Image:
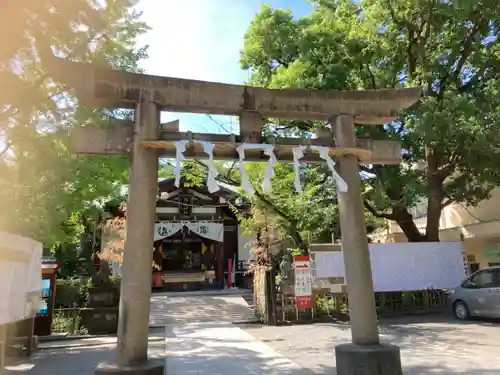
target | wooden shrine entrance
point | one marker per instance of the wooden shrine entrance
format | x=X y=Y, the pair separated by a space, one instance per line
x=183 y=253
x=188 y=261
x=146 y=140
x=195 y=235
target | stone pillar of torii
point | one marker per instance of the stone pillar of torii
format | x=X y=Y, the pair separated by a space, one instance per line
x=144 y=141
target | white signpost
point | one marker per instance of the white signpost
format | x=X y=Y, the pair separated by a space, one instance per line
x=303 y=282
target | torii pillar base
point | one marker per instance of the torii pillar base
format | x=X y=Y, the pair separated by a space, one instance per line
x=352 y=359
x=149 y=367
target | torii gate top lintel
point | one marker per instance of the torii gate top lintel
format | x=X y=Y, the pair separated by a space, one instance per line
x=106 y=88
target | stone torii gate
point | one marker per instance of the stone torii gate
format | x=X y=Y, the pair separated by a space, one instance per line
x=145 y=141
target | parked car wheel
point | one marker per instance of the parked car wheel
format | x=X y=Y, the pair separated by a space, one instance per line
x=460 y=310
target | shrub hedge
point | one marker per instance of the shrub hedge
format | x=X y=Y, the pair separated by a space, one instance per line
x=69 y=291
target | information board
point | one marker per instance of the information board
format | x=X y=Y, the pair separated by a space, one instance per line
x=303 y=282
x=404 y=266
x=44 y=301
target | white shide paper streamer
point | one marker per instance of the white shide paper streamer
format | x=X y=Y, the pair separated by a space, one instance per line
x=180 y=147
x=269 y=173
x=324 y=154
x=208 y=148
x=266 y=184
x=298 y=153
x=212 y=184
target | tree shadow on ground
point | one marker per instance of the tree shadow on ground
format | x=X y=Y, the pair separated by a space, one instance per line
x=443 y=370
x=436 y=330
x=194 y=355
x=190 y=352
x=430 y=340
x=78 y=360
x=414 y=330
x=438 y=318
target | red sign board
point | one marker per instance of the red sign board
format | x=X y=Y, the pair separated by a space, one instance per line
x=304 y=302
x=303 y=282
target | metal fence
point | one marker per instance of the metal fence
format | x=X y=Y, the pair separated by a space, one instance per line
x=273 y=307
x=336 y=305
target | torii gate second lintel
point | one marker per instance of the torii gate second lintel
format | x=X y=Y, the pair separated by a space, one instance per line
x=117 y=139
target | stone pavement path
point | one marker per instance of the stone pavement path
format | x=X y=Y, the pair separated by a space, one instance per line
x=77 y=357
x=429 y=344
x=222 y=349
x=191 y=348
x=200 y=338
x=188 y=307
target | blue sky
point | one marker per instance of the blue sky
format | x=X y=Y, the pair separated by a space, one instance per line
x=201 y=39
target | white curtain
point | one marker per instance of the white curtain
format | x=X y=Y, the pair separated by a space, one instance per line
x=206 y=229
x=166 y=229
x=212 y=231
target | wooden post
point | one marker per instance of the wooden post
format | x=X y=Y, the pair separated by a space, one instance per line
x=251 y=126
x=219 y=264
x=4 y=342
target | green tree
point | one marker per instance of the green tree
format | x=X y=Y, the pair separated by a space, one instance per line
x=449 y=48
x=303 y=217
x=47 y=192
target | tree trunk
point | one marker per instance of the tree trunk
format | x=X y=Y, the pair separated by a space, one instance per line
x=434 y=202
x=407 y=225
x=434 y=197
x=299 y=242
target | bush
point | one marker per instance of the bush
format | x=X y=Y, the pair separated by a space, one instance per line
x=116 y=281
x=69 y=291
x=331 y=305
x=68 y=322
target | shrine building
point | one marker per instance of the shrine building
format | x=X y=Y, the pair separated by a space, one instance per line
x=198 y=237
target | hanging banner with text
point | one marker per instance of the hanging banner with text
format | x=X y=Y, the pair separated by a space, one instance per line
x=166 y=229
x=303 y=282
x=211 y=230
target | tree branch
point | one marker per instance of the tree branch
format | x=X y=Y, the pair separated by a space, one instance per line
x=372 y=77
x=375 y=213
x=448 y=168
x=261 y=197
x=447 y=202
x=466 y=50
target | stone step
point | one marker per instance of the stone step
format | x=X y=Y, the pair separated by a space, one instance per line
x=225 y=309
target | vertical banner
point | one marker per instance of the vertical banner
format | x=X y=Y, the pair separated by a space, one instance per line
x=229 y=272
x=303 y=282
